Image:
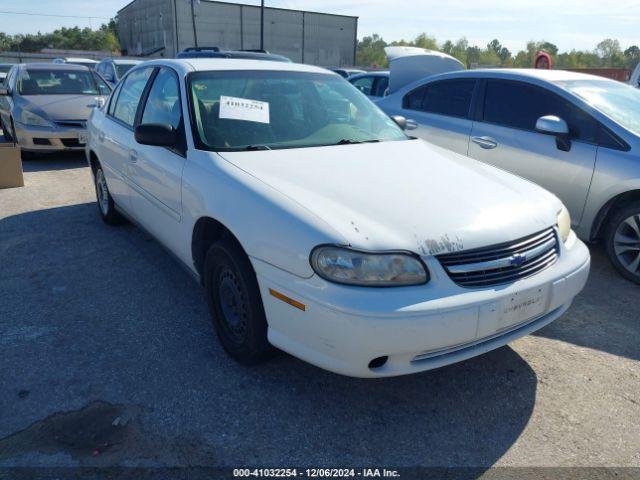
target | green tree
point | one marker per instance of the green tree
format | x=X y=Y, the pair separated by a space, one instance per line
x=370 y=51
x=632 y=56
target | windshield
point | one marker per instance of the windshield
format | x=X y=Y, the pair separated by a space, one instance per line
x=57 y=82
x=122 y=68
x=619 y=101
x=241 y=110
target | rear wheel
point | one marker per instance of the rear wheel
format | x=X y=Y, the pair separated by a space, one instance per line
x=623 y=241
x=106 y=206
x=235 y=303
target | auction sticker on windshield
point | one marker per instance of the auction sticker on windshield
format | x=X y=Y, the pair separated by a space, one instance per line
x=235 y=108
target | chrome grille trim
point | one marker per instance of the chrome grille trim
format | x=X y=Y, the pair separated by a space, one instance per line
x=504 y=263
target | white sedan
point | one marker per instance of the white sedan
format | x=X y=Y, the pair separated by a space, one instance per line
x=317 y=226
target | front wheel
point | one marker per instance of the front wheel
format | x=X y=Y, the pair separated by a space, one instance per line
x=235 y=303
x=106 y=206
x=623 y=241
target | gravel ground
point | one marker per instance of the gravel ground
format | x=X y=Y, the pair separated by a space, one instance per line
x=109 y=358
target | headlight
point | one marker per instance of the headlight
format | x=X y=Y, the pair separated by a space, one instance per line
x=370 y=269
x=564 y=224
x=30 y=118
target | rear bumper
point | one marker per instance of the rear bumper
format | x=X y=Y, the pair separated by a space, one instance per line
x=417 y=328
x=47 y=139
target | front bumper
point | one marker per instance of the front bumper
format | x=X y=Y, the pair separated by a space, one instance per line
x=47 y=139
x=343 y=328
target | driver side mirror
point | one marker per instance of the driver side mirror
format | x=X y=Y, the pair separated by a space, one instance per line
x=404 y=123
x=553 y=125
x=156 y=134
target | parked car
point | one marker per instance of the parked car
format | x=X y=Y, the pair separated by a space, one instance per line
x=317 y=226
x=373 y=84
x=4 y=69
x=634 y=80
x=45 y=106
x=86 y=62
x=113 y=69
x=215 y=52
x=347 y=72
x=574 y=134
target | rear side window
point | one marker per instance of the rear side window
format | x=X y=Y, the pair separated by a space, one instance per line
x=448 y=97
x=519 y=105
x=380 y=86
x=127 y=101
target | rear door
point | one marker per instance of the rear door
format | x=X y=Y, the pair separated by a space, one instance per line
x=156 y=172
x=504 y=135
x=442 y=110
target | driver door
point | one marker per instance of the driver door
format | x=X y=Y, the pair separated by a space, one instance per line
x=505 y=136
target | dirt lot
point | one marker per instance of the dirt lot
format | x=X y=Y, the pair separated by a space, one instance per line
x=109 y=358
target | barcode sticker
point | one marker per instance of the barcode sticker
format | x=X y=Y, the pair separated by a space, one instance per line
x=244 y=109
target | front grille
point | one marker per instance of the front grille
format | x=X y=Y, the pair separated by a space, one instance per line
x=71 y=142
x=72 y=123
x=503 y=263
x=41 y=141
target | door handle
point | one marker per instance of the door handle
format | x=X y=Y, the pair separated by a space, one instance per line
x=485 y=142
x=101 y=137
x=133 y=156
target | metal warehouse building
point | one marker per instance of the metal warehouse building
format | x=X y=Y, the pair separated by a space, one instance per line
x=165 y=27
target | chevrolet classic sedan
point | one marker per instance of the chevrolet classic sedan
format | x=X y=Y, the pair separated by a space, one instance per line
x=317 y=226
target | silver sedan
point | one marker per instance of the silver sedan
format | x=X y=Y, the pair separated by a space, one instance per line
x=576 y=135
x=45 y=107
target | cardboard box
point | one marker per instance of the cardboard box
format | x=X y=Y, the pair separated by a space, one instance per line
x=10 y=166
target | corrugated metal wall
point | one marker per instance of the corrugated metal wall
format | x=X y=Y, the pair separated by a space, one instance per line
x=314 y=38
x=147 y=25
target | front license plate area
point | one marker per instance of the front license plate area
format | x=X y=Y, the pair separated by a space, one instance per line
x=522 y=306
x=82 y=138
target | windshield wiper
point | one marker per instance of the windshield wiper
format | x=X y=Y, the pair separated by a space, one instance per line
x=348 y=141
x=257 y=147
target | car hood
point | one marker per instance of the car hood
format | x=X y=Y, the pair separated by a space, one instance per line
x=62 y=107
x=407 y=195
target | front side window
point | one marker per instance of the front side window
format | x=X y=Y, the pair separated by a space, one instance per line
x=163 y=102
x=127 y=102
x=447 y=97
x=240 y=110
x=364 y=84
x=520 y=105
x=57 y=82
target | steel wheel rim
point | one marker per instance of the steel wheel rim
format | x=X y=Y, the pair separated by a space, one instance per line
x=626 y=244
x=233 y=305
x=103 y=193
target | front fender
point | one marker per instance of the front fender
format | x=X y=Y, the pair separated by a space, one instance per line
x=269 y=225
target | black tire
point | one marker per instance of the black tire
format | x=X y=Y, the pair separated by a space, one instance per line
x=106 y=205
x=622 y=241
x=235 y=303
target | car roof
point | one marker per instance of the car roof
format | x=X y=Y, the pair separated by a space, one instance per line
x=369 y=74
x=80 y=59
x=187 y=65
x=53 y=66
x=122 y=61
x=551 y=76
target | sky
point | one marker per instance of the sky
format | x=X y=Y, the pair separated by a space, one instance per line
x=569 y=24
